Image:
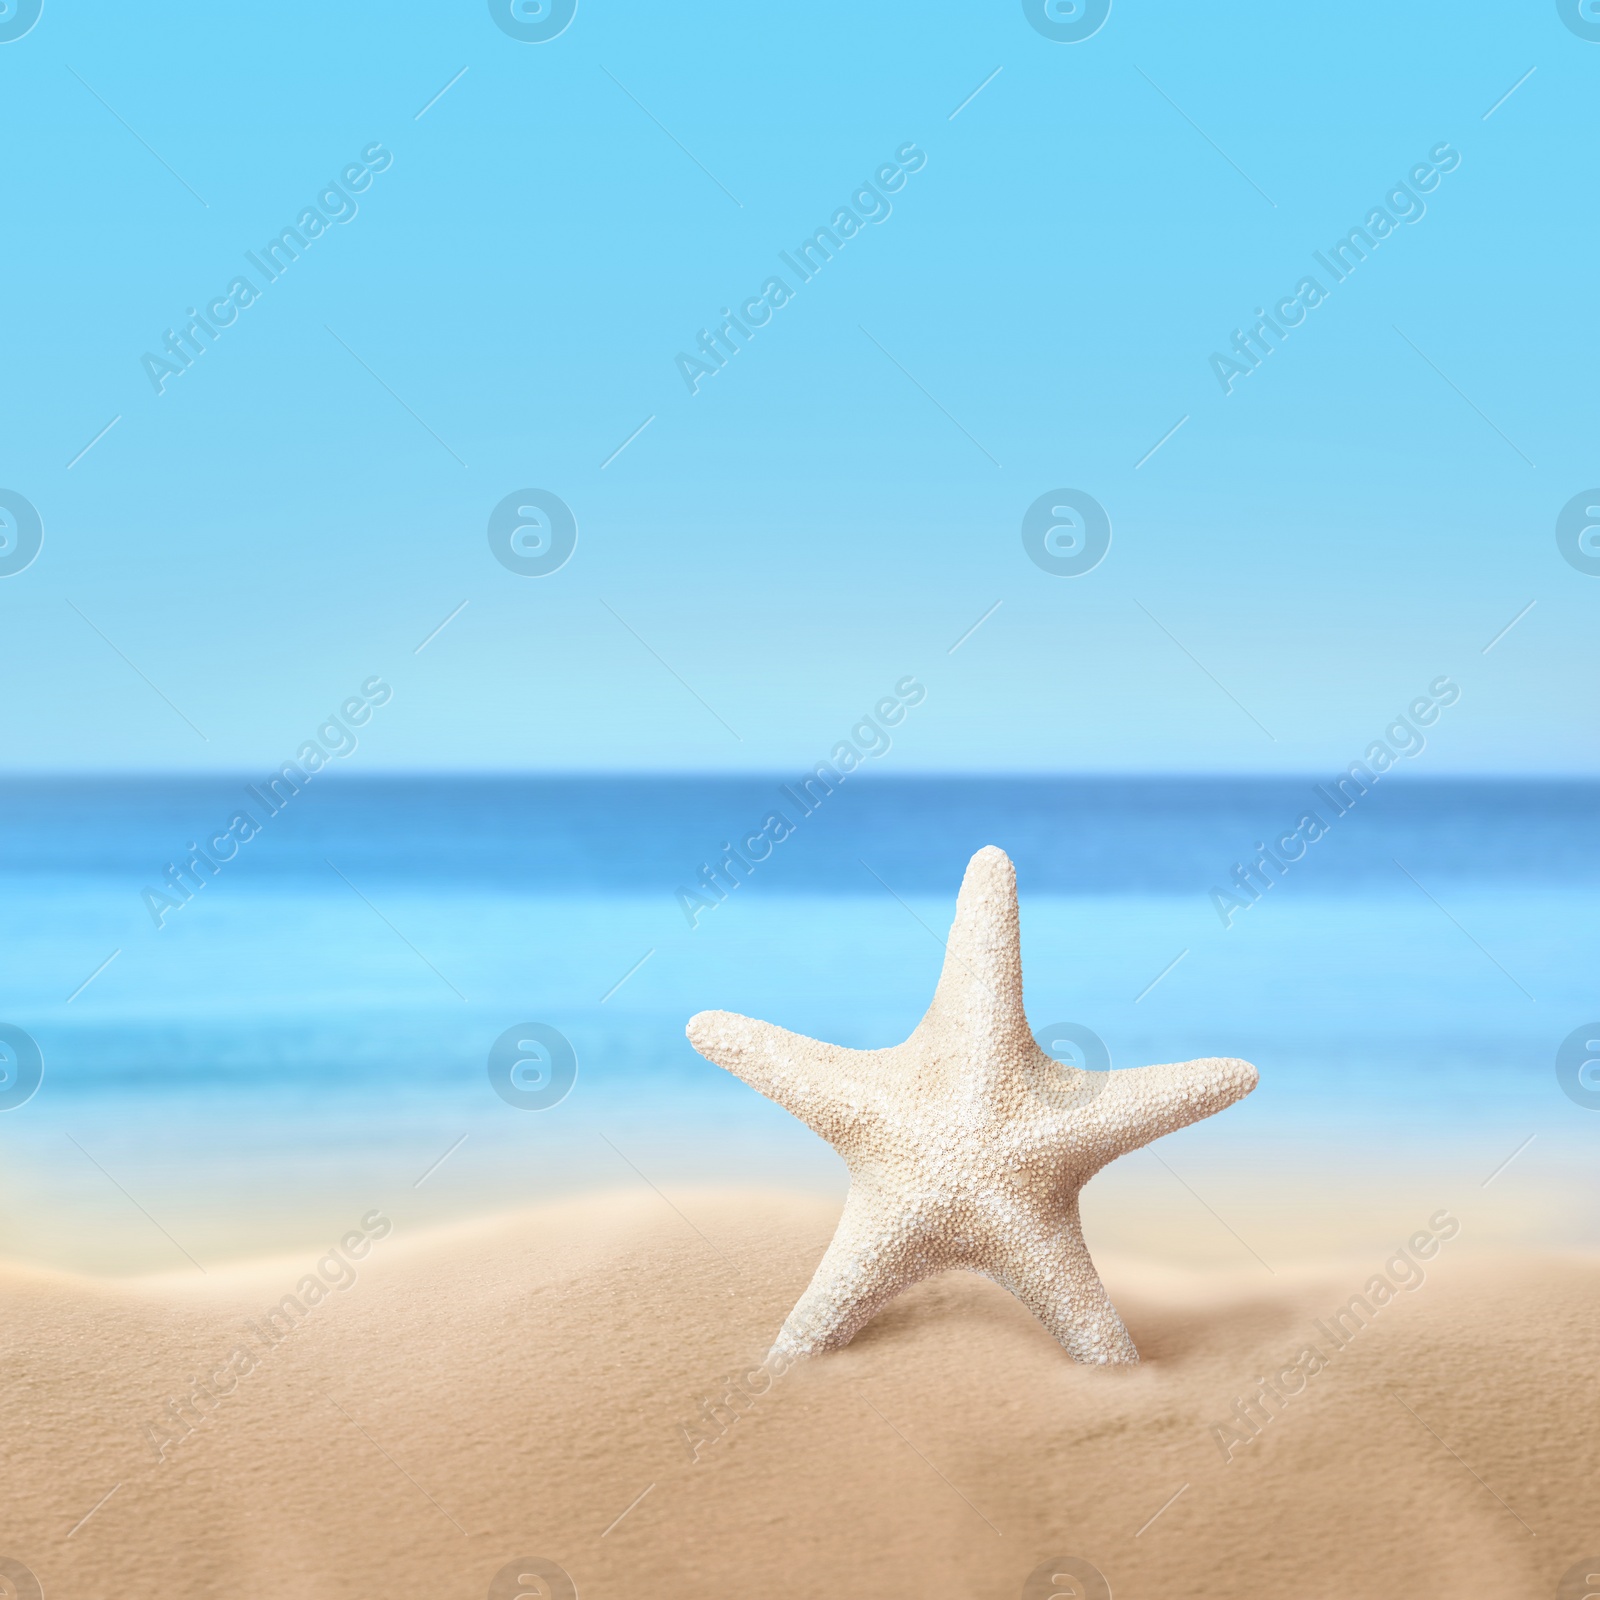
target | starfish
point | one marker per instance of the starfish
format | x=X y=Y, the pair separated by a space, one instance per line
x=967 y=1145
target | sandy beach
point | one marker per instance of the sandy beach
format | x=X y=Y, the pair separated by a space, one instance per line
x=582 y=1385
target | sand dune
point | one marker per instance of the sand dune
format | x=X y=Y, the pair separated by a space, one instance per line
x=581 y=1385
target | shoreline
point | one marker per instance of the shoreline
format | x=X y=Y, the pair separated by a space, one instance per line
x=1198 y=1199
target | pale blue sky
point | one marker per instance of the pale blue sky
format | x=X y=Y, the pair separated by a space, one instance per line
x=840 y=504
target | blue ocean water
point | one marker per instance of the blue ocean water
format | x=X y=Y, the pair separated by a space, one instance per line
x=312 y=1027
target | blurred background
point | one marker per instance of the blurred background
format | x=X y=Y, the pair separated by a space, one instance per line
x=373 y=407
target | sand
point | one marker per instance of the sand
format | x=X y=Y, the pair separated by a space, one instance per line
x=554 y=1385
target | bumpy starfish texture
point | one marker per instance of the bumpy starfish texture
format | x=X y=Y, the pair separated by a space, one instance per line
x=967 y=1145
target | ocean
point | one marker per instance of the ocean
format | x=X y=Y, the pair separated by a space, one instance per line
x=305 y=1029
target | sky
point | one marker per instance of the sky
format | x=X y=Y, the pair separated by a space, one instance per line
x=521 y=242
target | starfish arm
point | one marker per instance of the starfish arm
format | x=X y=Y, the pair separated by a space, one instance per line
x=980 y=985
x=813 y=1081
x=1046 y=1266
x=1139 y=1104
x=872 y=1258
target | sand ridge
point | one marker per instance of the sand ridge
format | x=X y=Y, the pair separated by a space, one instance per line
x=583 y=1384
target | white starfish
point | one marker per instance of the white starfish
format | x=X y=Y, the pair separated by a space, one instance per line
x=967 y=1145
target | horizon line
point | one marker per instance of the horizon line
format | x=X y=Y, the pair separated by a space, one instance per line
x=755 y=774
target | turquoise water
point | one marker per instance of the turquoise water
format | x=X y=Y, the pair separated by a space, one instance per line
x=312 y=1027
